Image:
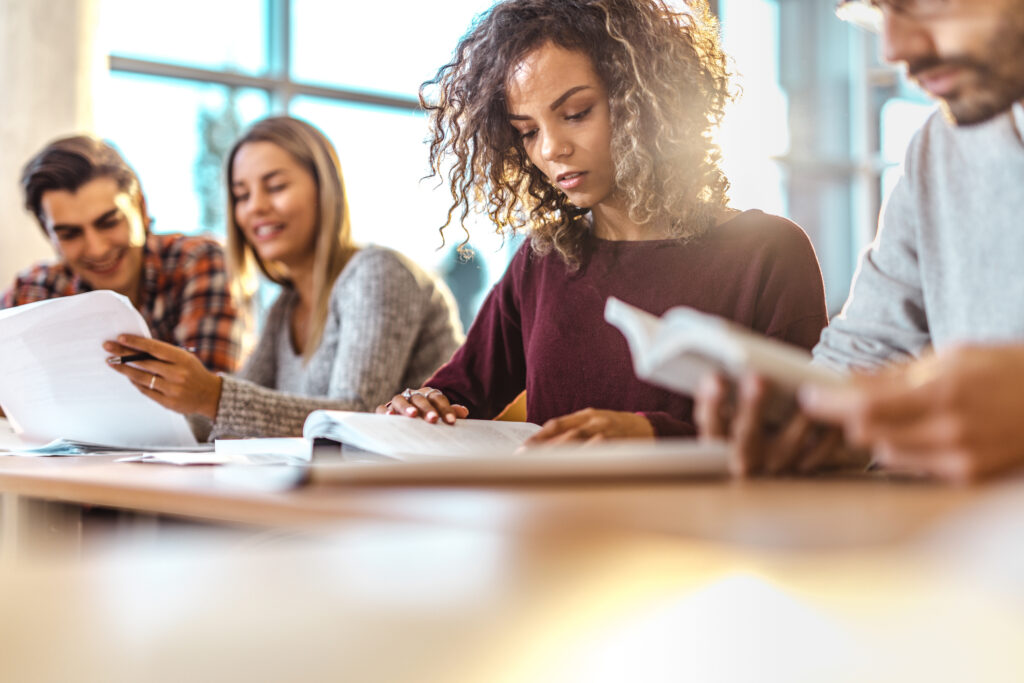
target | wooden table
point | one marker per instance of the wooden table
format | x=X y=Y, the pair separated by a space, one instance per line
x=825 y=512
x=497 y=596
x=774 y=580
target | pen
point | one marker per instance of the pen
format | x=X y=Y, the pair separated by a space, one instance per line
x=131 y=358
x=142 y=355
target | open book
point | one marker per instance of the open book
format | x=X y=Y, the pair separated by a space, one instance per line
x=678 y=349
x=402 y=438
x=55 y=382
x=391 y=448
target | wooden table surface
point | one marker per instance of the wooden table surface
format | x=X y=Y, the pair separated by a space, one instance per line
x=832 y=579
x=801 y=512
x=499 y=597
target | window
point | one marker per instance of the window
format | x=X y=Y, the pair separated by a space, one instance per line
x=181 y=90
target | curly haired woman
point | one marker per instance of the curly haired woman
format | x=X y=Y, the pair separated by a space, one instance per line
x=589 y=123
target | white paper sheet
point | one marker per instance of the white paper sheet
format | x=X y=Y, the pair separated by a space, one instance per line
x=8 y=439
x=55 y=382
x=269 y=451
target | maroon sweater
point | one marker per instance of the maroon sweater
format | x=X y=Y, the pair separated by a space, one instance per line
x=542 y=327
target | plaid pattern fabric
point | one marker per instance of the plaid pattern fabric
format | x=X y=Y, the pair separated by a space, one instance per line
x=185 y=296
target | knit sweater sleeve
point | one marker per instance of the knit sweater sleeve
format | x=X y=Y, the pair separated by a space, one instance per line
x=884 y=319
x=376 y=306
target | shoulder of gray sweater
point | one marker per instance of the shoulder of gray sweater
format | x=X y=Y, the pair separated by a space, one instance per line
x=373 y=263
x=404 y=281
x=939 y=143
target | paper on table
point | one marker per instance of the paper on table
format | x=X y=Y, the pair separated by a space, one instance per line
x=56 y=382
x=401 y=437
x=8 y=439
x=273 y=451
x=293 y=447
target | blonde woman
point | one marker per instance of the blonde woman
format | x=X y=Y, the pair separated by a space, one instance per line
x=589 y=123
x=352 y=324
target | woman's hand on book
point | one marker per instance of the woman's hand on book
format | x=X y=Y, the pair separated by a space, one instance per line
x=174 y=378
x=426 y=403
x=591 y=424
x=797 y=445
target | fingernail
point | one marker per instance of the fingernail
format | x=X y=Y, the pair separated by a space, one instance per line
x=411 y=410
x=432 y=416
x=449 y=418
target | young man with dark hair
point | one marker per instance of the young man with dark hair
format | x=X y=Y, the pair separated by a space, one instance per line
x=90 y=205
x=942 y=275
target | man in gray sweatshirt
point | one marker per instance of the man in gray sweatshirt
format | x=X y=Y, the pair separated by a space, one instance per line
x=934 y=326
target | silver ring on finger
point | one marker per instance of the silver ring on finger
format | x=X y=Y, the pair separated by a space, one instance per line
x=432 y=392
x=152 y=381
x=407 y=394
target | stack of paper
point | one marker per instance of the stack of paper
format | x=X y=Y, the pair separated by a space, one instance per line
x=55 y=382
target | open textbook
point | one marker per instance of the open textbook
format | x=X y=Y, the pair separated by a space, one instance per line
x=402 y=438
x=55 y=382
x=678 y=349
x=389 y=448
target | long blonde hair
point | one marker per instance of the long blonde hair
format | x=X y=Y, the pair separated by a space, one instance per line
x=334 y=245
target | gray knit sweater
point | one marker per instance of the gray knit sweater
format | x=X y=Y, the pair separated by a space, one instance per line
x=945 y=267
x=389 y=326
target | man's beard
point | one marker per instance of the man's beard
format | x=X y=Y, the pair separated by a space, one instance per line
x=998 y=75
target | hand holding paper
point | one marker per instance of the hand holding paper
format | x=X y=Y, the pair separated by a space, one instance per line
x=57 y=383
x=173 y=377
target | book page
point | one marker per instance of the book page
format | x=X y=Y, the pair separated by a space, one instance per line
x=55 y=382
x=679 y=349
x=402 y=437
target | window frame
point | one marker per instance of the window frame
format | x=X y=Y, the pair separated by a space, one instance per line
x=277 y=82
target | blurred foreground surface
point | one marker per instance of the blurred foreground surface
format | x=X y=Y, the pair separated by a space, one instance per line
x=708 y=581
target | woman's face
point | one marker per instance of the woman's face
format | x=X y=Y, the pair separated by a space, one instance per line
x=559 y=106
x=275 y=202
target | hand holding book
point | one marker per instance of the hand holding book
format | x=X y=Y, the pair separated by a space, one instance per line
x=744 y=385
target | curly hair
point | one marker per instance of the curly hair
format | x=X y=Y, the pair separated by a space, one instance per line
x=668 y=85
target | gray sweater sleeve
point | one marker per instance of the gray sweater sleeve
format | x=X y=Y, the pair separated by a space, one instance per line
x=883 y=320
x=378 y=307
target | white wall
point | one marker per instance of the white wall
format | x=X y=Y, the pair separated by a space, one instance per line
x=48 y=63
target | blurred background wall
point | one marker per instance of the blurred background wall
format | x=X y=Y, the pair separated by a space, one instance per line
x=49 y=63
x=817 y=136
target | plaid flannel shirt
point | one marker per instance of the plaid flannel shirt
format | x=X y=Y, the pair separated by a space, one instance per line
x=185 y=296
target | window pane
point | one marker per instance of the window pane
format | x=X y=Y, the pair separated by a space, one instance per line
x=755 y=130
x=175 y=134
x=362 y=46
x=384 y=157
x=199 y=33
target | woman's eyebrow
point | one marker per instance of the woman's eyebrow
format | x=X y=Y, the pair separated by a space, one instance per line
x=557 y=103
x=566 y=95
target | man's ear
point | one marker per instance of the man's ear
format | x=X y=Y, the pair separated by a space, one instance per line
x=147 y=220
